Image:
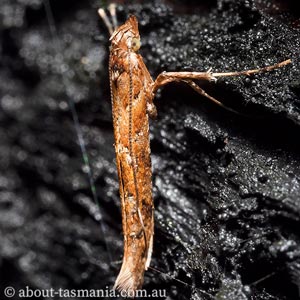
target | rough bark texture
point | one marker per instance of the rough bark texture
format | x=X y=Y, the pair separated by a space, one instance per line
x=226 y=187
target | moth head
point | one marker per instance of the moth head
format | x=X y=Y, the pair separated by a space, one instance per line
x=127 y=35
x=133 y=36
x=135 y=44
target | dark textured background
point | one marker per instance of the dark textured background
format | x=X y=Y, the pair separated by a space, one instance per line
x=226 y=187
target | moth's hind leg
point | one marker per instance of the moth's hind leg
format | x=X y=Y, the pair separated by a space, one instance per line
x=186 y=77
x=168 y=77
x=200 y=91
x=165 y=78
x=111 y=25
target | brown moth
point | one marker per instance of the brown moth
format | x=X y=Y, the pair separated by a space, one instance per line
x=132 y=94
x=131 y=104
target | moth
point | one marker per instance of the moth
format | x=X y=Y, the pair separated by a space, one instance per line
x=132 y=94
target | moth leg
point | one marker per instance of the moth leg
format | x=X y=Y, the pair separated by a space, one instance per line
x=111 y=26
x=151 y=109
x=200 y=91
x=254 y=71
x=150 y=106
x=143 y=227
x=168 y=77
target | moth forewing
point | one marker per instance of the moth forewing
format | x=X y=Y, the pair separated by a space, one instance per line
x=130 y=80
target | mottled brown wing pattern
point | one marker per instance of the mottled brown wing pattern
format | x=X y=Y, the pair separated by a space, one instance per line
x=132 y=146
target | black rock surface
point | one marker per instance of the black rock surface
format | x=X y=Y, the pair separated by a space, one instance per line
x=226 y=186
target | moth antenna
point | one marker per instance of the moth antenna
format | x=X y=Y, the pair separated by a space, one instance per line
x=112 y=10
x=106 y=21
